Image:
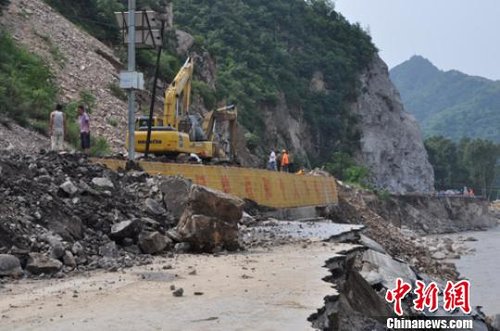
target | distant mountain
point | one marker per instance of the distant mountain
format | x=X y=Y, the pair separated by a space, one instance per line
x=449 y=103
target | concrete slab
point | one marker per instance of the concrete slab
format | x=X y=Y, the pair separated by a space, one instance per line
x=292 y=231
x=387 y=268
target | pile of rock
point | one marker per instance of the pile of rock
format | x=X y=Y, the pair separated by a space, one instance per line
x=60 y=212
x=443 y=247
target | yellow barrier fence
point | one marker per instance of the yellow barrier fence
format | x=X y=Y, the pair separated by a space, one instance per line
x=268 y=188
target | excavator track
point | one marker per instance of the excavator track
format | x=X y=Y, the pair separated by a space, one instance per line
x=267 y=188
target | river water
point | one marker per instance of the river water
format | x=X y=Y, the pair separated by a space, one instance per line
x=482 y=268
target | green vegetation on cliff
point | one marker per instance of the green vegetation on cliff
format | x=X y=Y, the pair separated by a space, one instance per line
x=450 y=104
x=27 y=91
x=265 y=48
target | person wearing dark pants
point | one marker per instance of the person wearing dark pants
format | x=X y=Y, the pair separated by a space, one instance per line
x=284 y=161
x=84 y=122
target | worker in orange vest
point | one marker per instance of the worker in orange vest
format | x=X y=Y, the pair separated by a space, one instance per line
x=284 y=161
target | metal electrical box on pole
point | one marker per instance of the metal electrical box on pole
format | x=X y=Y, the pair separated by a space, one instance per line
x=131 y=68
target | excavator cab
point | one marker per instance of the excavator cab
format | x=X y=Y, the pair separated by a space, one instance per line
x=141 y=123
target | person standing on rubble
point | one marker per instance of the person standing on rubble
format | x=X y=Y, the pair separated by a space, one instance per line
x=284 y=161
x=57 y=129
x=84 y=123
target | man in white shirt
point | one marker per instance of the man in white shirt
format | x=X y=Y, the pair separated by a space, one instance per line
x=272 y=161
x=57 y=129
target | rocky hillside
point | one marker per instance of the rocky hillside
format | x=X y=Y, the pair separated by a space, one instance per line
x=81 y=64
x=15 y=137
x=449 y=103
x=391 y=143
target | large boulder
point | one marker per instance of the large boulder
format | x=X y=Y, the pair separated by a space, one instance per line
x=109 y=250
x=56 y=245
x=210 y=221
x=102 y=182
x=153 y=207
x=41 y=264
x=209 y=202
x=175 y=191
x=125 y=229
x=69 y=260
x=68 y=188
x=57 y=251
x=184 y=41
x=153 y=242
x=69 y=228
x=10 y=266
x=208 y=234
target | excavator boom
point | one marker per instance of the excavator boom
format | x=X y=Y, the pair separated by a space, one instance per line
x=178 y=95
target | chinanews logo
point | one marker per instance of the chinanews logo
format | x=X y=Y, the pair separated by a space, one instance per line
x=455 y=295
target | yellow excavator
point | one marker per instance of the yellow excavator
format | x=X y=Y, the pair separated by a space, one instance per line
x=178 y=131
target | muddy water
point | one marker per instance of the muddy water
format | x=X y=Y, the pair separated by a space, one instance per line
x=482 y=268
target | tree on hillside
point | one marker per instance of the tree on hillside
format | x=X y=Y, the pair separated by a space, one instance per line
x=443 y=156
x=470 y=163
x=480 y=157
x=267 y=50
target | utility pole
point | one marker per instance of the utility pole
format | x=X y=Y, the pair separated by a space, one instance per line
x=131 y=68
x=163 y=18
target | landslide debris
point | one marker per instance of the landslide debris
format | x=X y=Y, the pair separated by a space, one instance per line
x=13 y=137
x=354 y=208
x=59 y=212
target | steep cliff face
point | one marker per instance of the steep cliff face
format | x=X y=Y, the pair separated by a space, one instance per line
x=286 y=128
x=391 y=144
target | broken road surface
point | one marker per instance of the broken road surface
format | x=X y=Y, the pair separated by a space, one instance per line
x=256 y=290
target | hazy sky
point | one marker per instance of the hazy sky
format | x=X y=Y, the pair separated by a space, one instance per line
x=453 y=34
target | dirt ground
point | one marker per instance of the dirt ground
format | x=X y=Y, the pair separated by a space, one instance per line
x=261 y=289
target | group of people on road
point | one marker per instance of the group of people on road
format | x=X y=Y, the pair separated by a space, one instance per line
x=58 y=129
x=279 y=162
x=465 y=192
